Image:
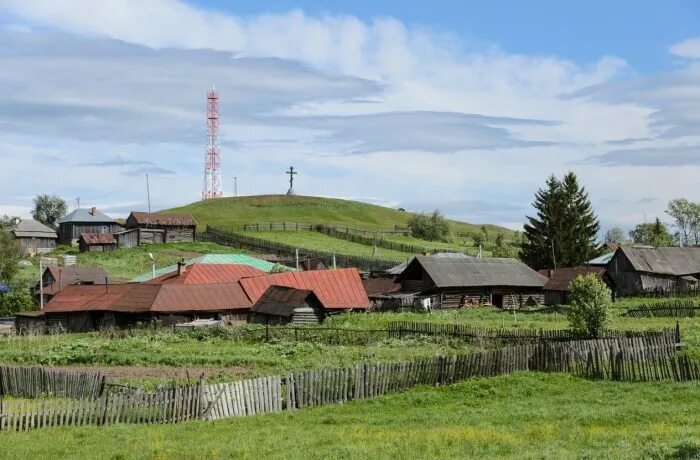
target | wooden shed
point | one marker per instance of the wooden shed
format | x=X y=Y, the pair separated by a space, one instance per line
x=504 y=283
x=636 y=270
x=284 y=305
x=97 y=242
x=34 y=237
x=82 y=221
x=56 y=278
x=556 y=291
x=162 y=228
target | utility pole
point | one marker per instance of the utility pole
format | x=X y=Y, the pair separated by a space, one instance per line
x=148 y=193
x=41 y=283
x=235 y=186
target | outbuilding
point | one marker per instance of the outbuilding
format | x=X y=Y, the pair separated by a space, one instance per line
x=97 y=242
x=557 y=289
x=153 y=227
x=80 y=221
x=34 y=237
x=284 y=305
x=504 y=283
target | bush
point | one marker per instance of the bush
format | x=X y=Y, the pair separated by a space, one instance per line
x=590 y=305
x=431 y=227
x=18 y=299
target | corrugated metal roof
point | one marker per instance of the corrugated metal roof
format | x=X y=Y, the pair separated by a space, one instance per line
x=336 y=289
x=667 y=261
x=140 y=298
x=282 y=301
x=29 y=228
x=65 y=276
x=85 y=215
x=200 y=273
x=477 y=272
x=98 y=238
x=601 y=260
x=163 y=220
x=561 y=278
x=240 y=259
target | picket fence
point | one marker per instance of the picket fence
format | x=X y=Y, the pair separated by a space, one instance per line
x=680 y=308
x=625 y=366
x=300 y=390
x=35 y=381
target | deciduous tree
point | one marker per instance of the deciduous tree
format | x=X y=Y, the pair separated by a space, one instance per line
x=48 y=209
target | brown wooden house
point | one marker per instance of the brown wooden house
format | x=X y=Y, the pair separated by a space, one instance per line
x=556 y=291
x=505 y=283
x=159 y=228
x=56 y=278
x=34 y=237
x=97 y=242
x=284 y=305
x=80 y=221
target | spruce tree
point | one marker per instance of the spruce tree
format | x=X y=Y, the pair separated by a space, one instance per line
x=564 y=231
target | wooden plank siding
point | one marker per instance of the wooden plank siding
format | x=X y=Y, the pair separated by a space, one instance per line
x=71 y=231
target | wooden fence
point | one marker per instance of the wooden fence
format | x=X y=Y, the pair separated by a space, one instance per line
x=681 y=308
x=300 y=390
x=307 y=227
x=625 y=365
x=664 y=293
x=403 y=328
x=32 y=382
x=231 y=238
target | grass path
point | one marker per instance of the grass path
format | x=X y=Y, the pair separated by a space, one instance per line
x=525 y=415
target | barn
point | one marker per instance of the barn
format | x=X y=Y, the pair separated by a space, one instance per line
x=34 y=237
x=505 y=283
x=636 y=270
x=285 y=305
x=97 y=242
x=80 y=221
x=556 y=291
x=153 y=227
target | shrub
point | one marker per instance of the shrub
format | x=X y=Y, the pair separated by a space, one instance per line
x=590 y=305
x=431 y=227
x=18 y=299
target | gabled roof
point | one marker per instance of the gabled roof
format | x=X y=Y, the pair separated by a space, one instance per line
x=29 y=228
x=65 y=276
x=397 y=270
x=143 y=298
x=476 y=272
x=200 y=273
x=560 y=278
x=98 y=238
x=85 y=215
x=601 y=260
x=336 y=289
x=666 y=261
x=240 y=259
x=162 y=220
x=376 y=286
x=282 y=301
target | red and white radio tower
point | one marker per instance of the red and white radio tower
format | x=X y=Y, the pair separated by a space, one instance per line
x=212 y=158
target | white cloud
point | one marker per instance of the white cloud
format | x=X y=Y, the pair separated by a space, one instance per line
x=125 y=80
x=689 y=48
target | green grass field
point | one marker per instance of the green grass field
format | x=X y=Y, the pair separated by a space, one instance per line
x=321 y=242
x=314 y=210
x=524 y=415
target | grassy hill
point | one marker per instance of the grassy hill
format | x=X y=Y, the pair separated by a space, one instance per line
x=307 y=209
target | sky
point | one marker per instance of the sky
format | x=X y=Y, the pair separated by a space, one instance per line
x=466 y=107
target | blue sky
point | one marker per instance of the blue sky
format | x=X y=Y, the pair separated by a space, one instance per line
x=462 y=106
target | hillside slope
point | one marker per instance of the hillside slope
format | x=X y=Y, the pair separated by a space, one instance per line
x=312 y=210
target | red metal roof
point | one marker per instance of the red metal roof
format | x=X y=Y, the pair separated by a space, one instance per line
x=209 y=274
x=134 y=298
x=336 y=289
x=98 y=238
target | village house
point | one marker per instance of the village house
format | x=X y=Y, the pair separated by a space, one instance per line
x=147 y=228
x=56 y=278
x=97 y=242
x=80 y=221
x=635 y=270
x=34 y=237
x=456 y=282
x=285 y=305
x=557 y=288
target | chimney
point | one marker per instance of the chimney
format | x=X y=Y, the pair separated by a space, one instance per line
x=181 y=267
x=551 y=272
x=93 y=211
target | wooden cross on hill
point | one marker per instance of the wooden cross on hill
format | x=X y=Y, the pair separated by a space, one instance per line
x=291 y=173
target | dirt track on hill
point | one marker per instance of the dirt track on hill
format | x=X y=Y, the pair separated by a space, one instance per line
x=159 y=372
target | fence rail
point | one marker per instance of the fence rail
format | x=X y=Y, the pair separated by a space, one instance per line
x=299 y=390
x=231 y=238
x=682 y=308
x=35 y=381
x=310 y=227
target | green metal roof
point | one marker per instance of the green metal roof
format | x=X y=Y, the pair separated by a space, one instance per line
x=241 y=259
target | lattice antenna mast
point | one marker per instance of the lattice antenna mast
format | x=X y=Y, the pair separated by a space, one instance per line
x=212 y=158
